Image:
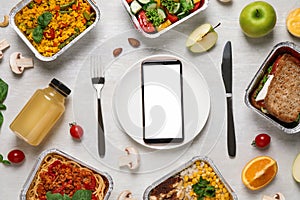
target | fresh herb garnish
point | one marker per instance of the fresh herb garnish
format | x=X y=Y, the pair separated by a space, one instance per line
x=37 y=34
x=203 y=189
x=2 y=160
x=78 y=195
x=3 y=95
x=43 y=21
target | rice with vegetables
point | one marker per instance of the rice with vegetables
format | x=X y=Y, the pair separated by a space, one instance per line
x=51 y=24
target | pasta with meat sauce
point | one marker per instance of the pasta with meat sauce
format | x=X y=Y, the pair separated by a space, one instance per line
x=58 y=174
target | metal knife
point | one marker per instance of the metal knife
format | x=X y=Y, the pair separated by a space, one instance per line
x=227 y=78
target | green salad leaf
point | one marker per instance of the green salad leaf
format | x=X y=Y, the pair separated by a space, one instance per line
x=170 y=5
x=186 y=5
x=3 y=90
x=153 y=16
x=3 y=95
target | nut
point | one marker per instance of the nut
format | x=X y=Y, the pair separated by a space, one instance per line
x=117 y=52
x=5 y=22
x=134 y=42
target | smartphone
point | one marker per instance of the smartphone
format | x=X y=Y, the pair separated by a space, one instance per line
x=162 y=101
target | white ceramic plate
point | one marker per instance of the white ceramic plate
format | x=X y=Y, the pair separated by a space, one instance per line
x=200 y=69
x=128 y=107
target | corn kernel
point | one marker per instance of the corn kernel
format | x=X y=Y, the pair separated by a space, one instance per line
x=194 y=181
x=186 y=178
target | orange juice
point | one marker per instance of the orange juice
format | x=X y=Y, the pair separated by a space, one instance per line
x=40 y=113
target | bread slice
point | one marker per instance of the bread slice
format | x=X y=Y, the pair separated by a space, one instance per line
x=283 y=96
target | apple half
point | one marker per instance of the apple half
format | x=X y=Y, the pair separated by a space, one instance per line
x=296 y=168
x=202 y=38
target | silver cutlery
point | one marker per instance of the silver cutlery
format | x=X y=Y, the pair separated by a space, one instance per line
x=97 y=74
x=227 y=77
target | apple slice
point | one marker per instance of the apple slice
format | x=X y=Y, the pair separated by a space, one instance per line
x=202 y=38
x=296 y=168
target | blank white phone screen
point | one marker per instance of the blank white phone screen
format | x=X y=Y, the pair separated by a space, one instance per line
x=162 y=101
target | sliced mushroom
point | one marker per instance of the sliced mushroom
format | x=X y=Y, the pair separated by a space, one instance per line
x=3 y=45
x=5 y=21
x=132 y=159
x=18 y=63
x=277 y=196
x=126 y=195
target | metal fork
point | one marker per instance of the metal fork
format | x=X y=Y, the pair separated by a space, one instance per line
x=97 y=74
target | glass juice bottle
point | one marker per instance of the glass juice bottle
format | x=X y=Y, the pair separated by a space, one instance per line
x=41 y=112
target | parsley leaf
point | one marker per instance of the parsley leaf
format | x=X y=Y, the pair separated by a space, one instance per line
x=203 y=189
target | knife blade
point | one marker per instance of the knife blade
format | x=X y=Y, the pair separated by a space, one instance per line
x=227 y=78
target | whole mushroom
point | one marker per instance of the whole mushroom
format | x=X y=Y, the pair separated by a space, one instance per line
x=131 y=159
x=18 y=63
x=126 y=195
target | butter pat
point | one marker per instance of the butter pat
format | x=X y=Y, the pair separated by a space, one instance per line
x=263 y=92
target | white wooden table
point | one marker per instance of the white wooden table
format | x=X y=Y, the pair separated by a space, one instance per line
x=248 y=54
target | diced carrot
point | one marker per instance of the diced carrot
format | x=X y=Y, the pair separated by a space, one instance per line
x=57 y=8
x=74 y=7
x=84 y=21
x=88 y=9
x=38 y=1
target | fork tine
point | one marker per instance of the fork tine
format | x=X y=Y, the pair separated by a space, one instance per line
x=97 y=69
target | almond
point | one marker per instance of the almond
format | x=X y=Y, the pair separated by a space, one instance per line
x=134 y=42
x=117 y=52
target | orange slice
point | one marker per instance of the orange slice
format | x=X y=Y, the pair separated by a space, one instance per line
x=293 y=22
x=259 y=172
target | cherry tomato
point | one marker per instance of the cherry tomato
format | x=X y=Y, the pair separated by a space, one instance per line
x=76 y=130
x=275 y=65
x=172 y=18
x=16 y=156
x=262 y=140
x=145 y=24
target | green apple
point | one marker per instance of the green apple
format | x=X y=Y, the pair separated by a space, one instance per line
x=257 y=19
x=202 y=38
x=296 y=168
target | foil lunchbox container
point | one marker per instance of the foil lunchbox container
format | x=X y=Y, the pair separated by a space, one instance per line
x=41 y=159
x=278 y=49
x=17 y=8
x=135 y=21
x=180 y=171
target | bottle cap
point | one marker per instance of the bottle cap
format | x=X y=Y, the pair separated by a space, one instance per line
x=60 y=87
